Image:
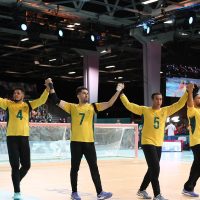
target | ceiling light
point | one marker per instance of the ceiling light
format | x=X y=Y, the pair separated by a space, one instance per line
x=11 y=72
x=53 y=59
x=60 y=33
x=104 y=51
x=70 y=26
x=120 y=77
x=111 y=66
x=77 y=24
x=183 y=33
x=148 y=30
x=92 y=37
x=36 y=62
x=190 y=20
x=44 y=65
x=149 y=1
x=24 y=27
x=71 y=72
x=161 y=72
x=170 y=21
x=24 y=39
x=71 y=29
x=15 y=47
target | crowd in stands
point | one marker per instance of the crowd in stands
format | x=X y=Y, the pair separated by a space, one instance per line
x=62 y=120
x=181 y=128
x=41 y=115
x=2 y=115
x=180 y=70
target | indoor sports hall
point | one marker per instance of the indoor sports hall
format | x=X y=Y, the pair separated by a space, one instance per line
x=137 y=108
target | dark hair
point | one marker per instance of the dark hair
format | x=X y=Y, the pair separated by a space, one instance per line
x=19 y=88
x=79 y=89
x=155 y=94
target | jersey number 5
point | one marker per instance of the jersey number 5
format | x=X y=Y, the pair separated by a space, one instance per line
x=19 y=115
x=156 y=123
x=82 y=117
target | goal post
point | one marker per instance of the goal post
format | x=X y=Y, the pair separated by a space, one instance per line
x=50 y=141
x=116 y=140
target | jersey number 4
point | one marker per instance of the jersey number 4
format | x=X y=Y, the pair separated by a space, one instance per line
x=82 y=117
x=19 y=115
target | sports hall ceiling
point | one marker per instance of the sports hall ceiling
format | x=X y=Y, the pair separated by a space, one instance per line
x=118 y=24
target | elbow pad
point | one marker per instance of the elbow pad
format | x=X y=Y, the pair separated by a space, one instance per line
x=54 y=98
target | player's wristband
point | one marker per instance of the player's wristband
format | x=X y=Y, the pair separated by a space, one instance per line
x=51 y=86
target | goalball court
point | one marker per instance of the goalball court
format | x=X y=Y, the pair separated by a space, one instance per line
x=121 y=165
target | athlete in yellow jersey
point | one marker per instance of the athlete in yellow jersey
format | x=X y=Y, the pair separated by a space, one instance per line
x=18 y=132
x=193 y=113
x=82 y=135
x=152 y=137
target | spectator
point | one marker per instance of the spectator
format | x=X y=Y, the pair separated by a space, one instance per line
x=171 y=131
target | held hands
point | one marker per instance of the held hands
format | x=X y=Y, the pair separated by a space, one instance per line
x=120 y=87
x=47 y=82
x=190 y=87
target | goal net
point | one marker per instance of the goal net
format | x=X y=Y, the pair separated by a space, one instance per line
x=50 y=141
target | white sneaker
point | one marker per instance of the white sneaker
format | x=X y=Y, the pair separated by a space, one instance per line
x=143 y=194
x=17 y=196
x=159 y=197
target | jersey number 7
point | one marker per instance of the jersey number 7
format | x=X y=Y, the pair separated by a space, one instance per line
x=82 y=117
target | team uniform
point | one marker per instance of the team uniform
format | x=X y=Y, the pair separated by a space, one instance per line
x=194 y=118
x=17 y=135
x=82 y=141
x=153 y=136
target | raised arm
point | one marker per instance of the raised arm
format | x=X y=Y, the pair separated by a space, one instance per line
x=60 y=103
x=191 y=110
x=41 y=100
x=134 y=108
x=190 y=102
x=179 y=104
x=3 y=103
x=105 y=105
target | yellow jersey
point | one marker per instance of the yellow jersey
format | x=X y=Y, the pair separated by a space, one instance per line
x=18 y=114
x=82 y=123
x=154 y=120
x=194 y=122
